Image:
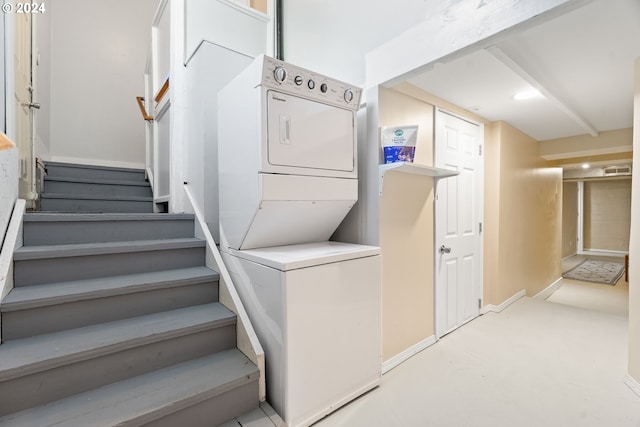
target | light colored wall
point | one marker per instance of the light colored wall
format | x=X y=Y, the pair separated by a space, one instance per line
x=523 y=221
x=615 y=141
x=406 y=233
x=2 y=79
x=634 y=248
x=529 y=241
x=200 y=14
x=98 y=57
x=492 y=212
x=8 y=181
x=333 y=37
x=42 y=85
x=451 y=28
x=607 y=215
x=569 y=218
x=203 y=80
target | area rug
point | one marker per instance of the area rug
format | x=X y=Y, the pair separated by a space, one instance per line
x=591 y=270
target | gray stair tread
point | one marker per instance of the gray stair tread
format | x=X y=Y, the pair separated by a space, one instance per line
x=74 y=196
x=146 y=397
x=71 y=217
x=80 y=166
x=35 y=354
x=101 y=181
x=27 y=297
x=86 y=249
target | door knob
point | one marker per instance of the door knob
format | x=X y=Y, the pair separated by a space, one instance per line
x=445 y=250
x=35 y=105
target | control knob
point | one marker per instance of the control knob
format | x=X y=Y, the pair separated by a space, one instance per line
x=348 y=95
x=280 y=74
x=311 y=84
x=298 y=80
x=323 y=88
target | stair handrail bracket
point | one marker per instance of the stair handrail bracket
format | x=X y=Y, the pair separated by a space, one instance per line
x=247 y=340
x=12 y=241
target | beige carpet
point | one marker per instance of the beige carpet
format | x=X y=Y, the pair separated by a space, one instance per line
x=535 y=364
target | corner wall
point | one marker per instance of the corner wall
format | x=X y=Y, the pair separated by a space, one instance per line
x=569 y=218
x=607 y=215
x=42 y=84
x=8 y=182
x=97 y=67
x=634 y=247
x=406 y=233
x=2 y=79
x=529 y=207
x=523 y=221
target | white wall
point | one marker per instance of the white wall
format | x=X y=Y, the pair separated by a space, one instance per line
x=203 y=79
x=634 y=246
x=332 y=37
x=42 y=82
x=8 y=182
x=225 y=32
x=98 y=57
x=2 y=85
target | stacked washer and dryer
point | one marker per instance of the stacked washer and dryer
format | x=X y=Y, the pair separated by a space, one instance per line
x=287 y=150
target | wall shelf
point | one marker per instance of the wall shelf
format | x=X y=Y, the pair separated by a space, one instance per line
x=412 y=168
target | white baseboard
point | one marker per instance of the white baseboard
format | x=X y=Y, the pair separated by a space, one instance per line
x=98 y=162
x=603 y=252
x=490 y=308
x=549 y=290
x=632 y=383
x=569 y=256
x=407 y=354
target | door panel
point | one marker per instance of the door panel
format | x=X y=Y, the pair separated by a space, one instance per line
x=309 y=134
x=458 y=214
x=22 y=101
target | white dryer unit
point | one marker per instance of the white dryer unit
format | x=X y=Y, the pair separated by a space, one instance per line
x=287 y=155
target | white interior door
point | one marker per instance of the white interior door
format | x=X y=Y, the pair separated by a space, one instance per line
x=458 y=223
x=23 y=104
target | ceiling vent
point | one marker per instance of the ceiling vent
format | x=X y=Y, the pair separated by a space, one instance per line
x=617 y=170
x=604 y=172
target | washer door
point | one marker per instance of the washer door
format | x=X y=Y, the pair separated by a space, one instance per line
x=308 y=134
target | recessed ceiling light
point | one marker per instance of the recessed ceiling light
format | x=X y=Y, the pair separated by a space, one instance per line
x=585 y=166
x=527 y=94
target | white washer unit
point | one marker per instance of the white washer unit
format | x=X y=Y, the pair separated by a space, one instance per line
x=288 y=176
x=316 y=310
x=287 y=155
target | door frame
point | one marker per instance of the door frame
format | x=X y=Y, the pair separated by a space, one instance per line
x=10 y=111
x=580 y=220
x=480 y=285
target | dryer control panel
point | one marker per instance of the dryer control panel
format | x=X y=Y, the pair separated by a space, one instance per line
x=298 y=81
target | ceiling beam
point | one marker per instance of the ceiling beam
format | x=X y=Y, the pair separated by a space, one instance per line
x=505 y=59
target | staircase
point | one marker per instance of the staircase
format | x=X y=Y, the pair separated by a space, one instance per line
x=114 y=318
x=80 y=188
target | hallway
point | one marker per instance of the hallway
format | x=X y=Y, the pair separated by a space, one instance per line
x=593 y=296
x=536 y=363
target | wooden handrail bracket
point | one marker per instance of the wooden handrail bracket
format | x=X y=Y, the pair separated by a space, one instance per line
x=140 y=100
x=162 y=92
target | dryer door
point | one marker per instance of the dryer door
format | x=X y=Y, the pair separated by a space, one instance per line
x=308 y=134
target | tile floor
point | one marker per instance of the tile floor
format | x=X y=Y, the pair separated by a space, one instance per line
x=538 y=363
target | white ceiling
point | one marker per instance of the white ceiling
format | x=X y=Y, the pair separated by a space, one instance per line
x=582 y=62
